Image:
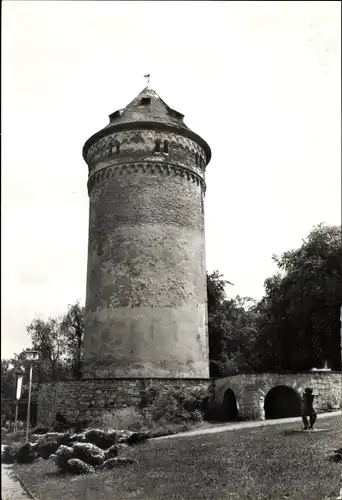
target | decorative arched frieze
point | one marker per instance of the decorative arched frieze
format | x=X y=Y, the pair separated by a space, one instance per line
x=147 y=168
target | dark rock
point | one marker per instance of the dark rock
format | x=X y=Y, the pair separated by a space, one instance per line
x=89 y=453
x=121 y=446
x=129 y=437
x=25 y=454
x=337 y=457
x=122 y=436
x=59 y=428
x=137 y=437
x=118 y=461
x=102 y=439
x=8 y=456
x=76 y=466
x=18 y=452
x=80 y=438
x=112 y=452
x=63 y=454
x=40 y=430
x=46 y=449
x=35 y=437
x=59 y=437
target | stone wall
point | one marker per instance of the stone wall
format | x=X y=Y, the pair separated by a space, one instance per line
x=250 y=390
x=88 y=399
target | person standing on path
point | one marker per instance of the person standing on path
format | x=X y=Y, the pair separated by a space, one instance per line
x=308 y=409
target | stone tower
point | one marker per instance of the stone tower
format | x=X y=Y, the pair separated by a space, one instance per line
x=146 y=301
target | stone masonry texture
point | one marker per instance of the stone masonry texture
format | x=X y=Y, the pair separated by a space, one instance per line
x=146 y=300
x=88 y=399
x=250 y=390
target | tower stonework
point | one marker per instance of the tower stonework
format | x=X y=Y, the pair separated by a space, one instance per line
x=146 y=300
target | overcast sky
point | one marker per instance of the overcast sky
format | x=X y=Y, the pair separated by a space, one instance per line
x=259 y=81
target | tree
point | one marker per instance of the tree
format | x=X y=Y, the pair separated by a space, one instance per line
x=302 y=302
x=72 y=328
x=7 y=383
x=216 y=290
x=48 y=339
x=233 y=334
x=215 y=297
x=233 y=329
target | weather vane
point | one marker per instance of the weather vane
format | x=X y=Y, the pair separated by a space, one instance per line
x=148 y=79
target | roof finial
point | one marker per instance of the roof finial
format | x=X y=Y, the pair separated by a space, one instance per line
x=148 y=78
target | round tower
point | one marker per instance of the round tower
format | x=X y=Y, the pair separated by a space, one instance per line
x=146 y=300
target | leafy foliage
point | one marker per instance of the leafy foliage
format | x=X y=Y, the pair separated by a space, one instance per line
x=47 y=338
x=176 y=406
x=216 y=290
x=302 y=303
x=296 y=325
x=60 y=345
x=72 y=328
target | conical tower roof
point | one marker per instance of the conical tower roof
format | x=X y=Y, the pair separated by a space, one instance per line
x=147 y=107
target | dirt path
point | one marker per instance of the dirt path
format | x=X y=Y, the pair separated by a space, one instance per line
x=11 y=488
x=213 y=429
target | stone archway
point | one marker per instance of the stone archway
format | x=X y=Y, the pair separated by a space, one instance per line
x=282 y=402
x=230 y=411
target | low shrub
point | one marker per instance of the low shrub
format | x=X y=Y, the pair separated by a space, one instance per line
x=121 y=419
x=176 y=406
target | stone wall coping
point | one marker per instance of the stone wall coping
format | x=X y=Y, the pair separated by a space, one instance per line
x=210 y=379
x=279 y=372
x=130 y=379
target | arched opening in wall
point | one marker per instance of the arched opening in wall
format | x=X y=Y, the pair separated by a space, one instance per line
x=166 y=146
x=282 y=402
x=117 y=146
x=229 y=406
x=157 y=148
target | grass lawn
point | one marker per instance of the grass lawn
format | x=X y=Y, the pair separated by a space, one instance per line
x=261 y=463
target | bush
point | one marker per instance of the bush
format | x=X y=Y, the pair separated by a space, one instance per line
x=176 y=406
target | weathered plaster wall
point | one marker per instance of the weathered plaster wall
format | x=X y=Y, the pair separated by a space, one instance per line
x=251 y=389
x=90 y=398
x=146 y=308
